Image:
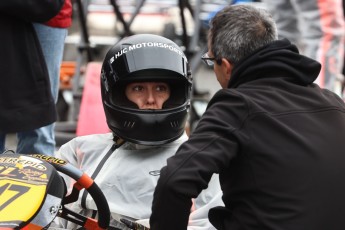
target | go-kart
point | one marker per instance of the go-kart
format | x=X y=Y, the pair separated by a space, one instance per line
x=33 y=193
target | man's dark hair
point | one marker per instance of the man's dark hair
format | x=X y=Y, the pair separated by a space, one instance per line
x=238 y=30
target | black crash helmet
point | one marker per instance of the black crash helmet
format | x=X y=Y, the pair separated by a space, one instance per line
x=146 y=57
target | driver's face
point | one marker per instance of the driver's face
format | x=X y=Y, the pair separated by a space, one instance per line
x=148 y=95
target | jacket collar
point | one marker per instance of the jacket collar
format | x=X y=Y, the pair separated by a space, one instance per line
x=277 y=59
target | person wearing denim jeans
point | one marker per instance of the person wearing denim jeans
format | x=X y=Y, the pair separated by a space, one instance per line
x=42 y=140
x=51 y=36
x=52 y=39
x=26 y=102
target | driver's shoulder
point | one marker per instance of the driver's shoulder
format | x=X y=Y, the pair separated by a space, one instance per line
x=94 y=139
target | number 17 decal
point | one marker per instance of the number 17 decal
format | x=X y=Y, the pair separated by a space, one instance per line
x=9 y=190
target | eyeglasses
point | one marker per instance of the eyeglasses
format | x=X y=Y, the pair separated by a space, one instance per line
x=208 y=60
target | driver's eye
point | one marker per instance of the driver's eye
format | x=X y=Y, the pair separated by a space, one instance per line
x=137 y=88
x=161 y=88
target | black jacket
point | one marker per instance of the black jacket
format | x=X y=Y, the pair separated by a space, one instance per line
x=277 y=142
x=25 y=96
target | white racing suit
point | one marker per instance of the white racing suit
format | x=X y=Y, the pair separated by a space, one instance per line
x=127 y=176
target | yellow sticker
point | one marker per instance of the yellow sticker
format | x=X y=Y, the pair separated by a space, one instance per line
x=20 y=201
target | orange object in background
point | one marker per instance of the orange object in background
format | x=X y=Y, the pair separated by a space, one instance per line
x=67 y=72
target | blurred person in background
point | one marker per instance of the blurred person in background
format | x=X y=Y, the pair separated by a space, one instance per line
x=52 y=36
x=318 y=29
x=26 y=102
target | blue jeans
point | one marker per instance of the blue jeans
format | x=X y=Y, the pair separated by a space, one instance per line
x=42 y=140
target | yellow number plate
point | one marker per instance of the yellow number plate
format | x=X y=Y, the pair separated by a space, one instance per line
x=19 y=201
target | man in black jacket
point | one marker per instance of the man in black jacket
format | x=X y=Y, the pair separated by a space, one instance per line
x=25 y=97
x=275 y=138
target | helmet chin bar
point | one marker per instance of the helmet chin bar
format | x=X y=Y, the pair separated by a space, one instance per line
x=33 y=183
x=147 y=127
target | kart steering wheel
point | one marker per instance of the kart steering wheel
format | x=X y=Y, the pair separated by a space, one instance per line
x=32 y=193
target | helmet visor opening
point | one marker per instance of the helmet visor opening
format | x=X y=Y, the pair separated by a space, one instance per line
x=179 y=92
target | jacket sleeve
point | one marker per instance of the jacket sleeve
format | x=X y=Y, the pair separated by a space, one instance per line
x=209 y=150
x=31 y=10
x=186 y=175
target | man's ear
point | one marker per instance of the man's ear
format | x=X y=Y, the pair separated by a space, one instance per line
x=226 y=67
